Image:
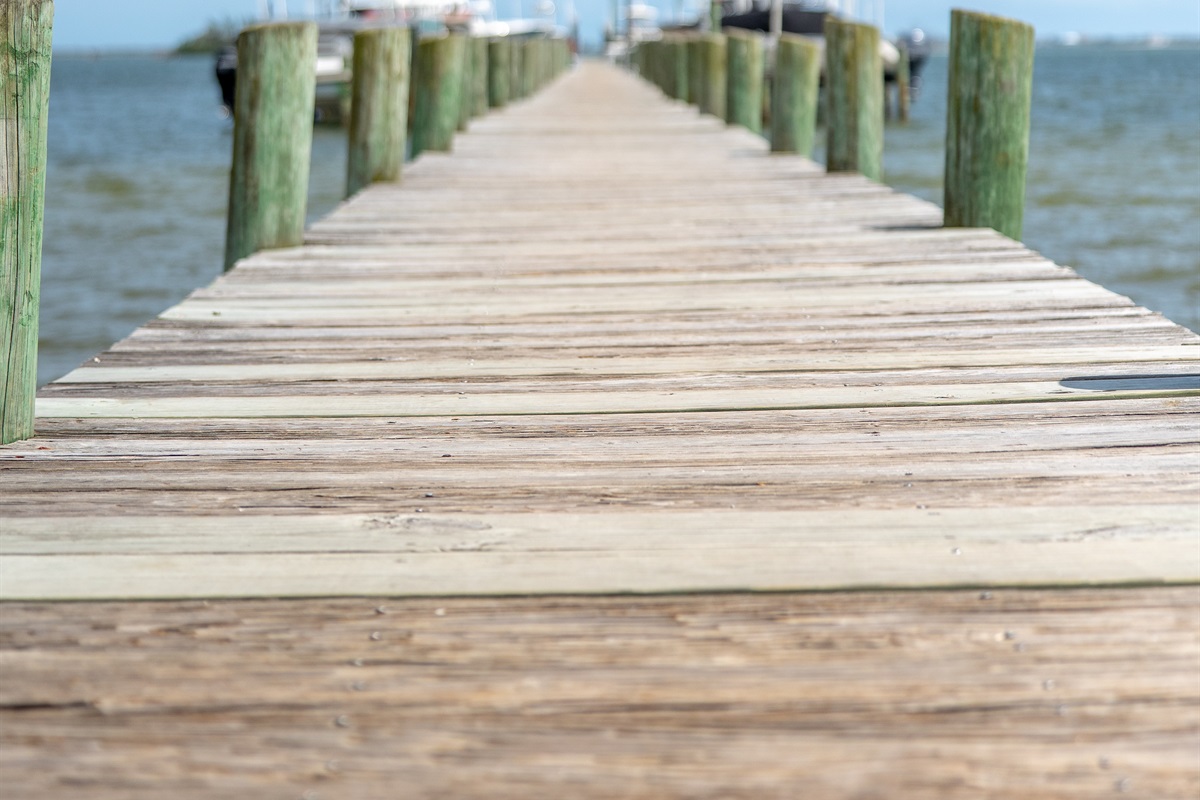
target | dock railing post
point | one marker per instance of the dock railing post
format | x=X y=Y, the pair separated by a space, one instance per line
x=987 y=122
x=854 y=91
x=272 y=138
x=499 y=71
x=439 y=85
x=26 y=26
x=794 y=95
x=712 y=93
x=378 y=107
x=744 y=80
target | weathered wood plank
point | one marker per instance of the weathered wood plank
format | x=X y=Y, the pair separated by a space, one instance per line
x=601 y=400
x=475 y=365
x=1032 y=694
x=613 y=552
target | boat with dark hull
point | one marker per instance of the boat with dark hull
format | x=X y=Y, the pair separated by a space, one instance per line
x=335 y=52
x=805 y=20
x=335 y=43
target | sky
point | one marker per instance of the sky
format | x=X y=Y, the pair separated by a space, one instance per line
x=160 y=24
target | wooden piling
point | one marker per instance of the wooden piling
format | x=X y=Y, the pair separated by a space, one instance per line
x=479 y=52
x=272 y=138
x=712 y=95
x=528 y=65
x=439 y=90
x=744 y=80
x=680 y=82
x=466 y=100
x=854 y=88
x=987 y=122
x=670 y=74
x=499 y=53
x=794 y=95
x=539 y=65
x=516 y=70
x=378 y=107
x=26 y=26
x=695 y=60
x=651 y=71
x=903 y=84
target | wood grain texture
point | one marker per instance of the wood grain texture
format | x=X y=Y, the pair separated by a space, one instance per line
x=795 y=90
x=1012 y=694
x=378 y=130
x=744 y=73
x=272 y=138
x=612 y=346
x=439 y=88
x=854 y=104
x=987 y=121
x=713 y=84
x=25 y=33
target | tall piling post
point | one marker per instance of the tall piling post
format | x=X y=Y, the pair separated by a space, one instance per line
x=744 y=80
x=439 y=85
x=680 y=83
x=987 y=122
x=903 y=84
x=794 y=94
x=854 y=90
x=378 y=107
x=26 y=27
x=480 y=86
x=654 y=58
x=466 y=100
x=499 y=72
x=516 y=70
x=713 y=91
x=695 y=60
x=272 y=138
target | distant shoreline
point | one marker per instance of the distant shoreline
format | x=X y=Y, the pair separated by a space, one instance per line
x=1153 y=42
x=122 y=52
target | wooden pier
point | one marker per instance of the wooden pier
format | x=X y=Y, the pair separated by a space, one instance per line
x=611 y=456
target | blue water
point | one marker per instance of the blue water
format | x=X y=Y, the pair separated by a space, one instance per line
x=138 y=178
x=136 y=191
x=1113 y=187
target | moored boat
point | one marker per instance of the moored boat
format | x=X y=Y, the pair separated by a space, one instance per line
x=808 y=19
x=335 y=42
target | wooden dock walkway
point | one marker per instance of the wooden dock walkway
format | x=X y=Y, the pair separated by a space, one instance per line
x=610 y=456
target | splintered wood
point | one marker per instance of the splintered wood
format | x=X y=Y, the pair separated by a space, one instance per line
x=609 y=346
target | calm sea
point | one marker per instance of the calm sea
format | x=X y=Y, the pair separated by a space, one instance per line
x=137 y=183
